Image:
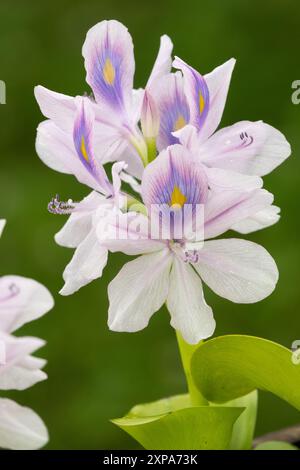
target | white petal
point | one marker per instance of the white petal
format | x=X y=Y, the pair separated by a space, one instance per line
x=57 y=107
x=226 y=208
x=79 y=223
x=238 y=270
x=253 y=148
x=258 y=221
x=218 y=82
x=20 y=427
x=128 y=233
x=26 y=300
x=2 y=225
x=138 y=291
x=220 y=180
x=20 y=370
x=189 y=312
x=163 y=62
x=86 y=265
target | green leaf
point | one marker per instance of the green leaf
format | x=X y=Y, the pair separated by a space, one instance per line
x=228 y=367
x=172 y=423
x=244 y=427
x=275 y=445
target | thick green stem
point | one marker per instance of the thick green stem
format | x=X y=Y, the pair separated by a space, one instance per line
x=186 y=352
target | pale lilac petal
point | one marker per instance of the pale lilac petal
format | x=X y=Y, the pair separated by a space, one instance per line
x=190 y=314
x=224 y=209
x=79 y=223
x=262 y=219
x=20 y=427
x=222 y=180
x=197 y=93
x=189 y=137
x=174 y=113
x=138 y=291
x=238 y=270
x=128 y=233
x=22 y=300
x=163 y=62
x=87 y=264
x=2 y=225
x=253 y=148
x=15 y=373
x=109 y=63
x=59 y=108
x=218 y=82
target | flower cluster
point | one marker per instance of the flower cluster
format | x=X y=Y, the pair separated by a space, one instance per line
x=21 y=300
x=169 y=156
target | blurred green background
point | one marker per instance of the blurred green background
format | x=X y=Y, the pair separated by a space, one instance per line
x=95 y=375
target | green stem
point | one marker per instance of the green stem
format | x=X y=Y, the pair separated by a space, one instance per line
x=186 y=351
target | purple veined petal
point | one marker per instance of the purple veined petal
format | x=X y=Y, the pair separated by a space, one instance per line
x=20 y=427
x=163 y=62
x=109 y=63
x=173 y=108
x=253 y=148
x=238 y=270
x=174 y=190
x=83 y=142
x=173 y=178
x=197 y=93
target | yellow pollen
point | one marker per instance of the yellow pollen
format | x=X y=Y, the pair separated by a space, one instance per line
x=109 y=72
x=177 y=198
x=83 y=149
x=179 y=123
x=201 y=103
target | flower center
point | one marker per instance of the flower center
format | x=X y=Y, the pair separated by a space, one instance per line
x=109 y=72
x=178 y=199
x=179 y=123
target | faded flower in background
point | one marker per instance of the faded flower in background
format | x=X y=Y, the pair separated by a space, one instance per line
x=21 y=300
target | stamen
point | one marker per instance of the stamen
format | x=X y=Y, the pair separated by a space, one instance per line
x=191 y=256
x=56 y=206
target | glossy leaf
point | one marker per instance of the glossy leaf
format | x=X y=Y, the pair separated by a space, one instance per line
x=172 y=423
x=244 y=427
x=276 y=445
x=228 y=367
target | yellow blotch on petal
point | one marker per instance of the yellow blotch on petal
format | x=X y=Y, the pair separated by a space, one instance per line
x=177 y=198
x=179 y=123
x=109 y=72
x=201 y=103
x=83 y=150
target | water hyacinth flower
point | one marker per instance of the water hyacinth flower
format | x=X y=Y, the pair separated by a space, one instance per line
x=171 y=270
x=167 y=136
x=21 y=300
